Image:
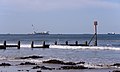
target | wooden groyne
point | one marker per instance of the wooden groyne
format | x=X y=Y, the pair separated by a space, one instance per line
x=43 y=45
x=5 y=45
x=74 y=44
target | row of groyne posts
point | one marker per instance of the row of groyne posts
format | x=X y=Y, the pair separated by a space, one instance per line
x=44 y=45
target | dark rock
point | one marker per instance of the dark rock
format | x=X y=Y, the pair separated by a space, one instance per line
x=100 y=65
x=20 y=70
x=27 y=63
x=43 y=68
x=58 y=68
x=27 y=70
x=39 y=71
x=80 y=63
x=46 y=68
x=32 y=57
x=69 y=63
x=116 y=64
x=54 y=62
x=36 y=67
x=116 y=71
x=59 y=62
x=5 y=64
x=73 y=67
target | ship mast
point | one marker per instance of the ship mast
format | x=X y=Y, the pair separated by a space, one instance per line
x=95 y=34
x=95 y=24
x=33 y=29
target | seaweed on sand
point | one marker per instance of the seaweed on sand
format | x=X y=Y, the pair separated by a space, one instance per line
x=5 y=64
x=59 y=62
x=27 y=63
x=43 y=68
x=28 y=57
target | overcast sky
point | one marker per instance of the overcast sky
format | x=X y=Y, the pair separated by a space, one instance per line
x=59 y=16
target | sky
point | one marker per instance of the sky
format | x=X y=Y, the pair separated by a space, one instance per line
x=59 y=16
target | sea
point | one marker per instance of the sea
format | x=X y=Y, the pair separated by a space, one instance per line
x=107 y=52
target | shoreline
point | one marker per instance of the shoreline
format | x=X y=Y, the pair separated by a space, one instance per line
x=56 y=65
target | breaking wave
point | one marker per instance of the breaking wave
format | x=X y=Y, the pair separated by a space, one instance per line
x=73 y=47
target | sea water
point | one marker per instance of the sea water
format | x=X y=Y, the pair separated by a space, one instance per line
x=92 y=56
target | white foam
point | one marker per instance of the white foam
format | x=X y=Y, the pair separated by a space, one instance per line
x=1 y=44
x=25 y=45
x=26 y=60
x=29 y=46
x=71 y=47
x=3 y=58
x=85 y=47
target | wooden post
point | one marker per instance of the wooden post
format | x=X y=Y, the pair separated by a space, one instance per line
x=18 y=44
x=32 y=44
x=66 y=42
x=86 y=43
x=43 y=43
x=76 y=43
x=55 y=42
x=95 y=24
x=5 y=44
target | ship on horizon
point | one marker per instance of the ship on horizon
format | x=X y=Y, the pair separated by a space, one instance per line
x=111 y=33
x=41 y=33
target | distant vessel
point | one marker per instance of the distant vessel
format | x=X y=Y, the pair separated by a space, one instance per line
x=39 y=33
x=112 y=33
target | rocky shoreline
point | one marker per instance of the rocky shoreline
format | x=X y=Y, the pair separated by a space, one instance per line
x=63 y=65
